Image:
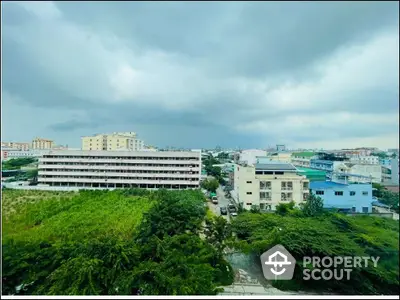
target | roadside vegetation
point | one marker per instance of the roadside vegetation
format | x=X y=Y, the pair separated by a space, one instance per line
x=124 y=242
x=389 y=198
x=310 y=231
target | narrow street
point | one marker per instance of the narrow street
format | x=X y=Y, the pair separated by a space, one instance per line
x=222 y=201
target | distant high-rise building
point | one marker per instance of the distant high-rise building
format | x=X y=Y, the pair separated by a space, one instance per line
x=280 y=147
x=42 y=144
x=124 y=141
x=15 y=145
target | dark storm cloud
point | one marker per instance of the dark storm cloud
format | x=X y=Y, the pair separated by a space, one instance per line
x=235 y=72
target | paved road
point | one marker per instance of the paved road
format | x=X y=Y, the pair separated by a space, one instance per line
x=222 y=201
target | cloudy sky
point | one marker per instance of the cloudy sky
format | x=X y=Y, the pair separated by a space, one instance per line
x=238 y=74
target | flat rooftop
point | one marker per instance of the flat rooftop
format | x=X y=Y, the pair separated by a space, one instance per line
x=326 y=185
x=275 y=166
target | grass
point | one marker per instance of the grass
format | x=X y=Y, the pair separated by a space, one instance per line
x=63 y=216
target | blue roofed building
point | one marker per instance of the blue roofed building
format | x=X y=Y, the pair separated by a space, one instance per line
x=346 y=197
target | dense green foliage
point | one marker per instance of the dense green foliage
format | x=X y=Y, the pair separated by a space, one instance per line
x=17 y=163
x=329 y=235
x=210 y=185
x=124 y=242
x=213 y=171
x=387 y=197
x=314 y=206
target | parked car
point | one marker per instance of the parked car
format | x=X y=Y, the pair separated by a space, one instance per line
x=233 y=214
x=214 y=200
x=223 y=210
x=231 y=208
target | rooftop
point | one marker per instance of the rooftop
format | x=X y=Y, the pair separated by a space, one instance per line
x=303 y=154
x=274 y=165
x=325 y=184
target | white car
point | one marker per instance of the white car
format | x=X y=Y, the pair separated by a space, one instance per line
x=234 y=214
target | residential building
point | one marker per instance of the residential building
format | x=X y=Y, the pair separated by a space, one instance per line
x=124 y=141
x=361 y=173
x=302 y=159
x=121 y=169
x=39 y=143
x=267 y=185
x=285 y=157
x=395 y=170
x=324 y=165
x=347 y=197
x=385 y=162
x=369 y=159
x=386 y=174
x=250 y=156
x=11 y=154
x=15 y=145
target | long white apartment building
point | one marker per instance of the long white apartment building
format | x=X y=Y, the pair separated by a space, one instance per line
x=266 y=185
x=121 y=169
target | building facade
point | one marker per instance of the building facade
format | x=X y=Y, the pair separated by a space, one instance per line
x=15 y=146
x=359 y=159
x=123 y=141
x=285 y=157
x=250 y=156
x=359 y=173
x=302 y=159
x=265 y=186
x=121 y=169
x=41 y=144
x=347 y=197
x=25 y=154
x=395 y=170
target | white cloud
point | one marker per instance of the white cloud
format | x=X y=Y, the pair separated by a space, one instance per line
x=101 y=67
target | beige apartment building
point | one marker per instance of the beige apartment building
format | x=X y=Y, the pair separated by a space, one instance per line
x=266 y=185
x=124 y=141
x=42 y=144
x=121 y=169
x=16 y=146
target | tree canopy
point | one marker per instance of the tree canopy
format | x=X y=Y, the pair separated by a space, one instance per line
x=210 y=185
x=331 y=234
x=124 y=242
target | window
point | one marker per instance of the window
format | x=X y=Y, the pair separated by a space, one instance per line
x=248 y=182
x=352 y=193
x=305 y=185
x=249 y=193
x=248 y=203
x=365 y=210
x=365 y=193
x=319 y=192
x=283 y=196
x=263 y=195
x=338 y=193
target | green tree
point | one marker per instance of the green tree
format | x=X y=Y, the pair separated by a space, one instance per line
x=285 y=208
x=333 y=235
x=210 y=185
x=123 y=242
x=314 y=206
x=391 y=199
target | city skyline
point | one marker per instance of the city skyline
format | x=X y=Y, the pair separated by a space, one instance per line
x=237 y=74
